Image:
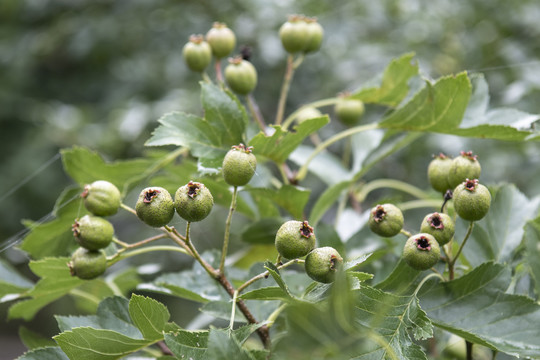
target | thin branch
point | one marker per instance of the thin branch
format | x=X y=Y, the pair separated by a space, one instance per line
x=227 y=231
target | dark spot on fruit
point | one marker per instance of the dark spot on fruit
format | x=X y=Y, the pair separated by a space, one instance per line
x=75 y=228
x=150 y=195
x=379 y=213
x=423 y=244
x=436 y=221
x=333 y=262
x=306 y=230
x=471 y=184
x=193 y=189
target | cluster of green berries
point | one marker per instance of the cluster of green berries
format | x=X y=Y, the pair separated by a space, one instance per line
x=93 y=232
x=301 y=34
x=471 y=200
x=296 y=239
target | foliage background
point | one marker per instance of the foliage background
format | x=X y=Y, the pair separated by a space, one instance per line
x=100 y=73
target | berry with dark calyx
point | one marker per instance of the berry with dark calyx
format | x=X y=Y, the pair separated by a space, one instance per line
x=307 y=113
x=322 y=263
x=349 y=111
x=101 y=198
x=239 y=165
x=87 y=264
x=386 y=220
x=440 y=226
x=421 y=251
x=155 y=206
x=465 y=166
x=221 y=39
x=294 y=34
x=438 y=171
x=295 y=239
x=241 y=76
x=471 y=200
x=193 y=201
x=315 y=35
x=93 y=232
x=197 y=53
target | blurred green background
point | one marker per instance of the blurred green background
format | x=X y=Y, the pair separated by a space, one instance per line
x=100 y=74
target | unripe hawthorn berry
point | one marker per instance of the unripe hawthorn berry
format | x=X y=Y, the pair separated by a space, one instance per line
x=295 y=239
x=465 y=166
x=315 y=35
x=349 y=111
x=87 y=264
x=241 y=76
x=386 y=220
x=440 y=226
x=101 y=198
x=438 y=173
x=294 y=34
x=421 y=251
x=239 y=165
x=197 y=53
x=155 y=206
x=307 y=113
x=471 y=200
x=193 y=201
x=221 y=39
x=322 y=264
x=93 y=232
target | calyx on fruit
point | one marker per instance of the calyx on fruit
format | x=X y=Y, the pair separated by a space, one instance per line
x=295 y=239
x=93 y=232
x=440 y=226
x=197 y=53
x=421 y=251
x=322 y=264
x=155 y=206
x=87 y=264
x=386 y=220
x=101 y=198
x=239 y=165
x=193 y=201
x=241 y=76
x=472 y=200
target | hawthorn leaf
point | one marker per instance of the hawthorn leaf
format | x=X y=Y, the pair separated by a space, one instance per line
x=46 y=353
x=289 y=197
x=222 y=345
x=188 y=344
x=149 y=315
x=33 y=340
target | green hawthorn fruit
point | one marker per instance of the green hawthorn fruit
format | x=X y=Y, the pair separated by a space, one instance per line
x=155 y=206
x=471 y=200
x=421 y=251
x=349 y=111
x=438 y=173
x=315 y=35
x=307 y=113
x=295 y=239
x=197 y=53
x=239 y=165
x=93 y=232
x=294 y=34
x=221 y=39
x=101 y=198
x=386 y=220
x=241 y=76
x=465 y=166
x=322 y=263
x=87 y=264
x=440 y=226
x=193 y=201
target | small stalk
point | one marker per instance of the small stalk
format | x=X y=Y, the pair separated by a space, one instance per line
x=219 y=74
x=211 y=271
x=273 y=316
x=266 y=273
x=227 y=231
x=452 y=262
x=406 y=233
x=256 y=113
x=285 y=89
x=121 y=256
x=316 y=104
x=128 y=209
x=469 y=347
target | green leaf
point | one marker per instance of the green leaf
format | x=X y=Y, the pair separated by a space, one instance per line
x=149 y=315
x=391 y=316
x=56 y=281
x=266 y=293
x=532 y=255
x=88 y=295
x=222 y=310
x=400 y=280
x=33 y=340
x=477 y=308
x=262 y=231
x=12 y=283
x=393 y=86
x=223 y=346
x=274 y=272
x=48 y=353
x=500 y=233
x=437 y=107
x=326 y=200
x=255 y=254
x=86 y=343
x=188 y=344
x=289 y=197
x=282 y=143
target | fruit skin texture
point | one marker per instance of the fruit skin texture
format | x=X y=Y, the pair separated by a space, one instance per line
x=471 y=200
x=465 y=166
x=239 y=165
x=315 y=34
x=101 y=198
x=322 y=263
x=93 y=232
x=241 y=76
x=421 y=251
x=349 y=111
x=86 y=264
x=221 y=39
x=155 y=206
x=294 y=34
x=386 y=220
x=295 y=239
x=440 y=226
x=193 y=201
x=197 y=53
x=438 y=171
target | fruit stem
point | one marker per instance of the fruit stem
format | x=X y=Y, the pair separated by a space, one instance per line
x=233 y=310
x=302 y=172
x=266 y=273
x=219 y=74
x=121 y=256
x=316 y=104
x=469 y=347
x=424 y=280
x=391 y=184
x=256 y=112
x=285 y=89
x=129 y=209
x=227 y=231
x=205 y=77
x=405 y=232
x=209 y=269
x=452 y=262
